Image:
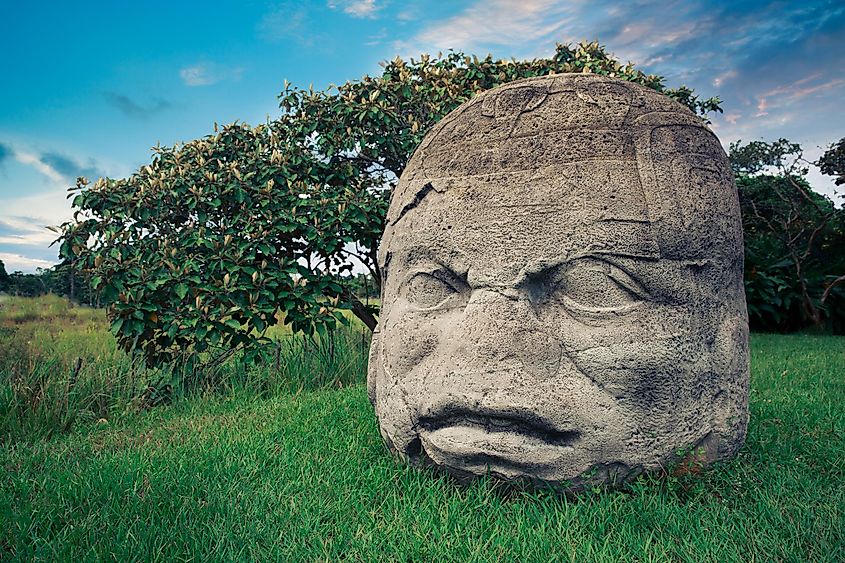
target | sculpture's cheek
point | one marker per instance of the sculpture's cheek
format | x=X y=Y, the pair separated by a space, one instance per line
x=646 y=369
x=407 y=346
x=652 y=369
x=410 y=337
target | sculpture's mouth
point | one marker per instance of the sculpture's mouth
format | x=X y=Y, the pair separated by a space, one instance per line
x=484 y=437
x=529 y=425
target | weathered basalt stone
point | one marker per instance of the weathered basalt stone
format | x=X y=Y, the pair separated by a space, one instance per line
x=563 y=297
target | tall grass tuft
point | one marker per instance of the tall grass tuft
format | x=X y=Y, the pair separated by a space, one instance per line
x=59 y=367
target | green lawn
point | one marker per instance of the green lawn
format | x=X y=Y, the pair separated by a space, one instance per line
x=305 y=477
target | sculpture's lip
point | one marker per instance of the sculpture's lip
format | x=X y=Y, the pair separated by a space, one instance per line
x=505 y=424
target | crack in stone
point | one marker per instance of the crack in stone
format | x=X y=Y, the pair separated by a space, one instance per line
x=427 y=188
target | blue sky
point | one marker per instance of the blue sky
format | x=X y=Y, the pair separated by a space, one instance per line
x=90 y=87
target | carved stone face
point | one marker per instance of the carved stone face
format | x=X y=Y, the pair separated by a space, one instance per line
x=563 y=288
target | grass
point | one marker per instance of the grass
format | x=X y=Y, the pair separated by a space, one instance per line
x=60 y=367
x=303 y=475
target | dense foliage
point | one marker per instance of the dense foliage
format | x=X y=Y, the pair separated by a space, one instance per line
x=204 y=247
x=4 y=277
x=832 y=162
x=794 y=240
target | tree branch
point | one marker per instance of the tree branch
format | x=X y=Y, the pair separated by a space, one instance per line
x=360 y=310
x=832 y=284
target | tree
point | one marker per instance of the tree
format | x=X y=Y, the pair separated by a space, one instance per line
x=4 y=277
x=204 y=247
x=27 y=285
x=793 y=237
x=200 y=249
x=63 y=279
x=832 y=162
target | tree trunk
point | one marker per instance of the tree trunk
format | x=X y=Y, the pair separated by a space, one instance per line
x=72 y=282
x=360 y=310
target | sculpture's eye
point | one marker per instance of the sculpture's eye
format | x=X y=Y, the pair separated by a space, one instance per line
x=428 y=290
x=594 y=287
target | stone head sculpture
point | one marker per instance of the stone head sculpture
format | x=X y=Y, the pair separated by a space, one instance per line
x=563 y=295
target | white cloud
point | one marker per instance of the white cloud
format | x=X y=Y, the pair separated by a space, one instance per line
x=31 y=214
x=732 y=117
x=377 y=38
x=357 y=8
x=407 y=15
x=57 y=167
x=719 y=80
x=24 y=231
x=52 y=207
x=287 y=21
x=16 y=262
x=205 y=74
x=787 y=94
x=195 y=76
x=33 y=160
x=28 y=232
x=495 y=22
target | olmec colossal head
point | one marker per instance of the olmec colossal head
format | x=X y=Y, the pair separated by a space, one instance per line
x=563 y=294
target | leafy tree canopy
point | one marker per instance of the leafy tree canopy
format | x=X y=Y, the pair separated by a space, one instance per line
x=832 y=162
x=794 y=240
x=4 y=277
x=758 y=156
x=214 y=240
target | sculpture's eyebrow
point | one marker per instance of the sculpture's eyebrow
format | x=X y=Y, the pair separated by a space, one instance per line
x=409 y=256
x=604 y=256
x=416 y=259
x=610 y=255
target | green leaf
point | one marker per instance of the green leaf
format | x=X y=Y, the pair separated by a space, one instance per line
x=181 y=290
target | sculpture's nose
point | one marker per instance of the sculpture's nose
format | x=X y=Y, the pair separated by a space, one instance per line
x=500 y=329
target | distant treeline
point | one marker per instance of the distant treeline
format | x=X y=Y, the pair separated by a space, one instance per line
x=59 y=280
x=64 y=281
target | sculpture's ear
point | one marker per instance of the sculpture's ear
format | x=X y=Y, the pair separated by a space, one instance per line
x=396 y=425
x=373 y=365
x=732 y=342
x=731 y=362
